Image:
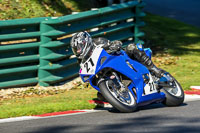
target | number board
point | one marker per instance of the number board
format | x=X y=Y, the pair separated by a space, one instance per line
x=89 y=66
x=150 y=87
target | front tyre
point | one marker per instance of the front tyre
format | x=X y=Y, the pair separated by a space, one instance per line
x=120 y=98
x=174 y=92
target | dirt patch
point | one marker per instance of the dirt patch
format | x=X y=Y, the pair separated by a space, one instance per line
x=40 y=90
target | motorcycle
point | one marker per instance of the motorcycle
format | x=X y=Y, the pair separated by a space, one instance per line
x=126 y=83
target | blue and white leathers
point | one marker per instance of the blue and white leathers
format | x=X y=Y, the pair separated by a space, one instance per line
x=121 y=63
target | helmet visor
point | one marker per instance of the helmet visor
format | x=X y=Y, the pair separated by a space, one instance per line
x=81 y=46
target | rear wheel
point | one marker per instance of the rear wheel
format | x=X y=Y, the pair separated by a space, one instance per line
x=100 y=97
x=173 y=91
x=117 y=94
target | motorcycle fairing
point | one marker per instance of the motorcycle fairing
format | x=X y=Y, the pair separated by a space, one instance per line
x=119 y=63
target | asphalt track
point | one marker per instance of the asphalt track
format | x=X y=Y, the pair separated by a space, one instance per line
x=153 y=118
x=187 y=11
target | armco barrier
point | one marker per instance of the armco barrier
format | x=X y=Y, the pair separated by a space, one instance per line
x=44 y=55
x=19 y=56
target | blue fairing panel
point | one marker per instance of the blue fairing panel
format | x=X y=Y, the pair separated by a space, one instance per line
x=119 y=64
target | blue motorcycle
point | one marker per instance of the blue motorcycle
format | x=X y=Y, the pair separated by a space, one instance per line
x=126 y=83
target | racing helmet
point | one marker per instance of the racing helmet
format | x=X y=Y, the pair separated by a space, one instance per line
x=81 y=44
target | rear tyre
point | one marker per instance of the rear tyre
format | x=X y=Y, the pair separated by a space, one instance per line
x=123 y=101
x=175 y=94
x=100 y=97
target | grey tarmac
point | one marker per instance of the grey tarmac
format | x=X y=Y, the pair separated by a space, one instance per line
x=153 y=118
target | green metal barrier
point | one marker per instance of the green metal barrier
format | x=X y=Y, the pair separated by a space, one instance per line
x=44 y=55
x=19 y=56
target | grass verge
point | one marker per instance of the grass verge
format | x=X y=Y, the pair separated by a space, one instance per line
x=176 y=43
x=69 y=100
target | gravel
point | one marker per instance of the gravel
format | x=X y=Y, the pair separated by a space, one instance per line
x=38 y=90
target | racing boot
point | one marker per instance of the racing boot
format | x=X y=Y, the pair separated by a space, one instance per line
x=145 y=60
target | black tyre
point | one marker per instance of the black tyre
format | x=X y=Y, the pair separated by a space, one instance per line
x=123 y=101
x=100 y=97
x=175 y=94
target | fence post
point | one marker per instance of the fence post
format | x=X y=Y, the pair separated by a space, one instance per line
x=138 y=22
x=44 y=52
x=136 y=28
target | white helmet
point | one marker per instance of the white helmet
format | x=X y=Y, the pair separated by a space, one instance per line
x=81 y=44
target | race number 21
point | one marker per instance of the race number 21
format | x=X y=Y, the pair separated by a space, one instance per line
x=89 y=64
x=152 y=87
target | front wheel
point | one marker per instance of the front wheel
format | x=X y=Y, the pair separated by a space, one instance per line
x=118 y=95
x=173 y=91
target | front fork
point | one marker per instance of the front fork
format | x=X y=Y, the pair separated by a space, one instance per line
x=117 y=81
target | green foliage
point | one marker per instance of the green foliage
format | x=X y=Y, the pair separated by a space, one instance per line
x=15 y=9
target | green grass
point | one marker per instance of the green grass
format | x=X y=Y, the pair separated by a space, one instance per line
x=70 y=100
x=15 y=9
x=166 y=35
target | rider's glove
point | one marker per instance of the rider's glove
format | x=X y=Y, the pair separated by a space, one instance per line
x=115 y=46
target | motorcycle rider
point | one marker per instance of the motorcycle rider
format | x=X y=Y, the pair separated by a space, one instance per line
x=82 y=46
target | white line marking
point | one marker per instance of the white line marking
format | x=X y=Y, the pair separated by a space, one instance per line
x=195 y=87
x=191 y=98
x=17 y=119
x=23 y=118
